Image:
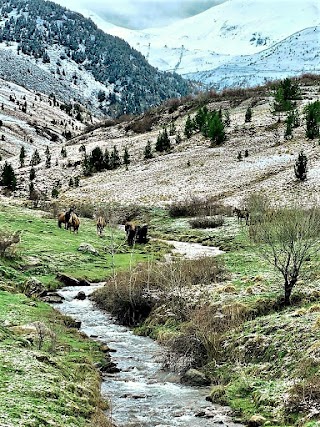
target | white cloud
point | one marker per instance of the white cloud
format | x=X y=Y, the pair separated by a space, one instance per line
x=141 y=13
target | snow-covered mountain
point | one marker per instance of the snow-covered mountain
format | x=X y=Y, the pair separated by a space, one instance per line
x=297 y=54
x=219 y=35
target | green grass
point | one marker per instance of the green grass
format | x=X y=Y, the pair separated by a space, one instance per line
x=46 y=250
x=56 y=385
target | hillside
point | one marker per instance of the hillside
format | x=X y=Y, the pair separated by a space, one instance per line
x=76 y=60
x=192 y=168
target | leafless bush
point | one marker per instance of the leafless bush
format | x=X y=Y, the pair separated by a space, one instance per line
x=196 y=206
x=142 y=124
x=207 y=222
x=130 y=296
x=304 y=396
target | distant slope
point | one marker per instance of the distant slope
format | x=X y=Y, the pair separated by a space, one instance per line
x=295 y=55
x=101 y=68
x=236 y=27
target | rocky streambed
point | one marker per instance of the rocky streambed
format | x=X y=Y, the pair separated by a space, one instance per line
x=141 y=393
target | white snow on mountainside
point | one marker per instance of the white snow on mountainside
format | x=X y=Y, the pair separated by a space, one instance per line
x=296 y=55
x=218 y=36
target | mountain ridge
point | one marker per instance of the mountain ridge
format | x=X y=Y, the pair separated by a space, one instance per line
x=241 y=27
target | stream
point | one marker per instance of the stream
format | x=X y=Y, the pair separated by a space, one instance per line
x=141 y=394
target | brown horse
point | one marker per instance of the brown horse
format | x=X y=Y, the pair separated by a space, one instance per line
x=74 y=222
x=242 y=214
x=101 y=223
x=63 y=218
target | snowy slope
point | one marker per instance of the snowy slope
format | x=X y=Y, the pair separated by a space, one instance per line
x=206 y=40
x=295 y=55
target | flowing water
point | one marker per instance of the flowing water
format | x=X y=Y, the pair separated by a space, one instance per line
x=141 y=394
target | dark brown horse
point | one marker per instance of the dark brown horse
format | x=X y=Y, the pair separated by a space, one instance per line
x=242 y=214
x=136 y=233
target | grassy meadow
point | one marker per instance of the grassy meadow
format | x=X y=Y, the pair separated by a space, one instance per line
x=224 y=314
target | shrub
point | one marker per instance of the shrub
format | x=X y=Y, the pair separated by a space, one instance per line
x=130 y=296
x=207 y=222
x=196 y=206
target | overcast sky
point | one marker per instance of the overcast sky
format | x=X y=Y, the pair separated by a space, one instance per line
x=141 y=13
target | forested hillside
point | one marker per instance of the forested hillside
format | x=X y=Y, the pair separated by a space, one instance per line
x=71 y=48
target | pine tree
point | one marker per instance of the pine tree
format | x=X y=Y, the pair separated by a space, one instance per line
x=312 y=112
x=216 y=129
x=248 y=115
x=97 y=159
x=178 y=138
x=126 y=157
x=227 y=120
x=115 y=161
x=22 y=156
x=300 y=168
x=8 y=178
x=148 y=150
x=172 y=129
x=200 y=118
x=188 y=127
x=289 y=125
x=106 y=159
x=48 y=158
x=32 y=174
x=35 y=159
x=239 y=156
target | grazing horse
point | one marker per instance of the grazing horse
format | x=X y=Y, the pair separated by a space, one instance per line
x=74 y=222
x=101 y=223
x=63 y=218
x=141 y=236
x=131 y=231
x=135 y=233
x=242 y=214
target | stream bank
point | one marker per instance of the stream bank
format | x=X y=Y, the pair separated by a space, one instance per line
x=141 y=394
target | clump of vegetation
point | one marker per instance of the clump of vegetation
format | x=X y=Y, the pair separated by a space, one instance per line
x=285 y=94
x=207 y=222
x=196 y=206
x=130 y=296
x=163 y=141
x=209 y=123
x=248 y=115
x=148 y=150
x=300 y=167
